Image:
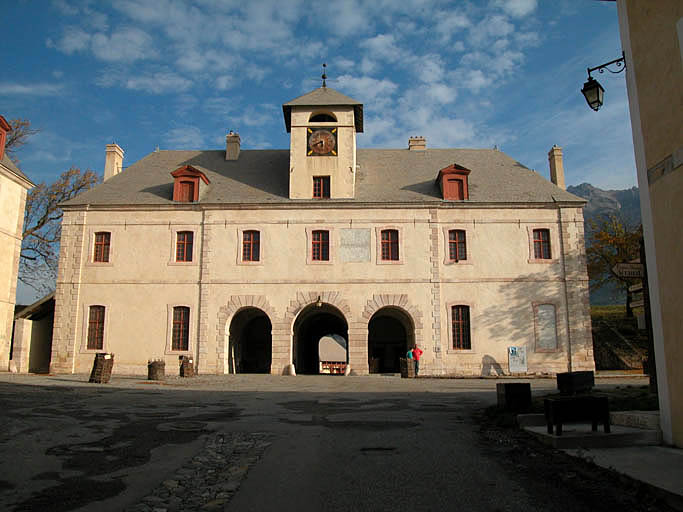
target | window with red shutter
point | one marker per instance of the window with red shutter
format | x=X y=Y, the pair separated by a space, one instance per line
x=460 y=325
x=181 y=328
x=320 y=246
x=389 y=245
x=251 y=246
x=96 y=328
x=321 y=187
x=183 y=249
x=457 y=245
x=542 y=244
x=102 y=243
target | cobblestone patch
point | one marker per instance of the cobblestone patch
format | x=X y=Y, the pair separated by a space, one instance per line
x=209 y=480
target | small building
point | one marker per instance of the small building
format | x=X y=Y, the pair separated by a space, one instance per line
x=32 y=340
x=244 y=258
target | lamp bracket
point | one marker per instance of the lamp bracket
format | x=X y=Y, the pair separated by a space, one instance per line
x=619 y=63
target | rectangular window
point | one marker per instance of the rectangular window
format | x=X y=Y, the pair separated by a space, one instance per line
x=96 y=328
x=181 y=328
x=542 y=244
x=461 y=327
x=251 y=245
x=102 y=241
x=320 y=250
x=390 y=244
x=457 y=245
x=321 y=187
x=183 y=248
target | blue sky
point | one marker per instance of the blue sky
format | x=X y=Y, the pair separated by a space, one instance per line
x=180 y=74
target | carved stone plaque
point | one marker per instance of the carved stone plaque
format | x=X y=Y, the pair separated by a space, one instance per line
x=354 y=245
x=546 y=331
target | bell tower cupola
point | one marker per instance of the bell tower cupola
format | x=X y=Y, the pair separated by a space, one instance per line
x=322 y=150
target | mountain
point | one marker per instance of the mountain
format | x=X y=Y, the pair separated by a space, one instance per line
x=624 y=204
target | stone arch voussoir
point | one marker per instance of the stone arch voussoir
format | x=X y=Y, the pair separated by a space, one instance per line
x=304 y=299
x=399 y=301
x=229 y=310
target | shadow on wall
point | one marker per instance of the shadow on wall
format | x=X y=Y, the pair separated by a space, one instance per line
x=513 y=314
x=490 y=367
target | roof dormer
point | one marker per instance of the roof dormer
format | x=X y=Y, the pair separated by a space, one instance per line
x=452 y=181
x=186 y=184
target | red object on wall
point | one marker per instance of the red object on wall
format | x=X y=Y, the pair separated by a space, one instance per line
x=186 y=184
x=4 y=128
x=452 y=181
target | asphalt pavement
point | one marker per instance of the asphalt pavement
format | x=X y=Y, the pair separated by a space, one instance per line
x=261 y=442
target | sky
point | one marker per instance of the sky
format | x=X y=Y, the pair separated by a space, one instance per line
x=180 y=74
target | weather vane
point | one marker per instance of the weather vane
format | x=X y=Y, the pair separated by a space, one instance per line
x=324 y=76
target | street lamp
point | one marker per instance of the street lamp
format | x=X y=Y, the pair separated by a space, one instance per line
x=592 y=90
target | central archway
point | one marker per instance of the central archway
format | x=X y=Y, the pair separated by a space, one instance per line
x=314 y=322
x=390 y=335
x=251 y=346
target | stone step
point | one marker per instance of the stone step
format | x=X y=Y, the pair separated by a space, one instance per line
x=580 y=435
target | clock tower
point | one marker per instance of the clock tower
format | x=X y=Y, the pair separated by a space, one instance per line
x=322 y=150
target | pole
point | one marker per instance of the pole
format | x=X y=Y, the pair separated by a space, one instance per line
x=651 y=363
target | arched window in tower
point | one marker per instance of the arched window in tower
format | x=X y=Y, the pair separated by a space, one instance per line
x=322 y=118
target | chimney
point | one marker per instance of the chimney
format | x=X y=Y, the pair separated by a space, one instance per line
x=556 y=167
x=417 y=143
x=113 y=161
x=4 y=129
x=232 y=146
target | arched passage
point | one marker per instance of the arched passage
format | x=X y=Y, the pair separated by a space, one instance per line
x=251 y=345
x=311 y=324
x=390 y=334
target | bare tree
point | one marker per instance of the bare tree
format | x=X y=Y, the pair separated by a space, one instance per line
x=42 y=227
x=18 y=136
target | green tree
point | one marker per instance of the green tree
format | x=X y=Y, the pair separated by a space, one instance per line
x=611 y=241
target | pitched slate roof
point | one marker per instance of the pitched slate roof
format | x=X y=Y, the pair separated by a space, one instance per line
x=397 y=176
x=324 y=96
x=7 y=162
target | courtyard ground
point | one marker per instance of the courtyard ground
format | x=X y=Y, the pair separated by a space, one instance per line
x=261 y=442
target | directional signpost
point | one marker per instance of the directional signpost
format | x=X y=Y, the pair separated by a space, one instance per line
x=629 y=270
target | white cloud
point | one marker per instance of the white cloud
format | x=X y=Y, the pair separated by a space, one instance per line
x=451 y=24
x=440 y=93
x=343 y=64
x=517 y=8
x=259 y=115
x=488 y=29
x=185 y=137
x=368 y=89
x=383 y=47
x=156 y=82
x=74 y=39
x=128 y=44
x=30 y=89
x=224 y=82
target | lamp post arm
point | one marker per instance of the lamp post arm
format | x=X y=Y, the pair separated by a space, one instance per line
x=621 y=61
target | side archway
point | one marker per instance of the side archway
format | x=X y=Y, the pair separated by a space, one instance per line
x=396 y=306
x=228 y=313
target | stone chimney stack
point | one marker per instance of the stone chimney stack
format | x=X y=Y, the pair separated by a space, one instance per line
x=232 y=146
x=113 y=161
x=556 y=166
x=417 y=143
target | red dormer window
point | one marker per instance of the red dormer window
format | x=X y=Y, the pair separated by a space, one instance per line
x=452 y=181
x=186 y=184
x=4 y=128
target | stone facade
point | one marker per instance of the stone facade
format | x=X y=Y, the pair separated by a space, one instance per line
x=267 y=313
x=13 y=189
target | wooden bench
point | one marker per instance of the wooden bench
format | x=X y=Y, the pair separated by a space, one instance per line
x=574 y=409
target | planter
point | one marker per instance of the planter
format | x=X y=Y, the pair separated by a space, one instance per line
x=156 y=370
x=101 y=368
x=407 y=368
x=186 y=367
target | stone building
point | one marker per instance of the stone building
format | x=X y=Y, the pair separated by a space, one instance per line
x=13 y=188
x=244 y=259
x=652 y=38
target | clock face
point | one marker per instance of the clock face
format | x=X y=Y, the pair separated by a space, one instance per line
x=322 y=142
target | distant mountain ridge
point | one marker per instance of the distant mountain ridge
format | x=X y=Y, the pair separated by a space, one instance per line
x=624 y=204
